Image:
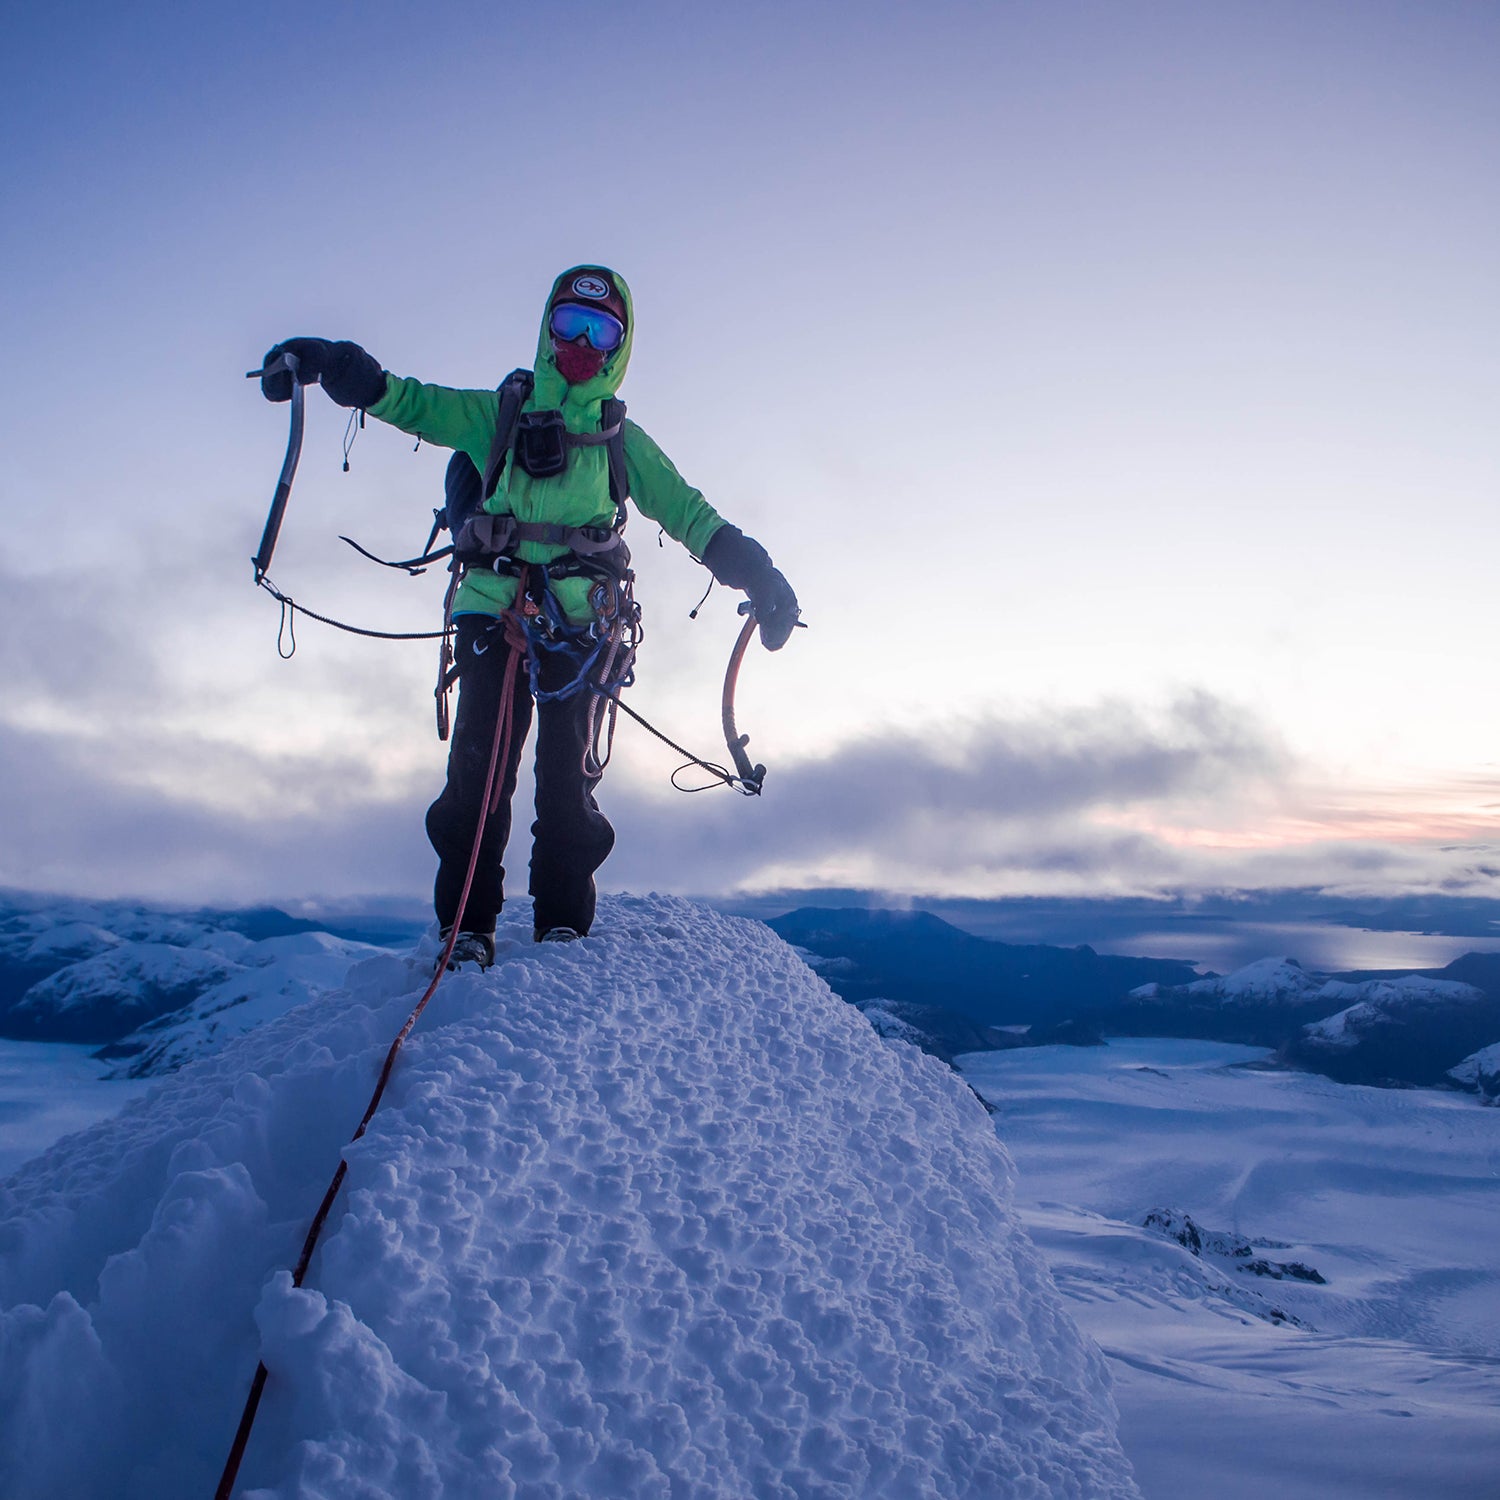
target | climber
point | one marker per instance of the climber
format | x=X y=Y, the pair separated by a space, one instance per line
x=542 y=579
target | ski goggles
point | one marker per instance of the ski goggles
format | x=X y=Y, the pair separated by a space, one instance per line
x=601 y=329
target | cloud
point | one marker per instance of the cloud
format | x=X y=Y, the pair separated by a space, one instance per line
x=149 y=812
x=977 y=802
x=71 y=825
x=51 y=649
x=1111 y=800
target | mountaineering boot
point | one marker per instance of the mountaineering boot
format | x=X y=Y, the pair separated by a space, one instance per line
x=471 y=948
x=557 y=935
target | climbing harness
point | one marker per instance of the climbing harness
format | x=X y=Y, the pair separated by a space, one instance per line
x=539 y=443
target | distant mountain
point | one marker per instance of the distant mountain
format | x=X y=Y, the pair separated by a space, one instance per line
x=920 y=959
x=100 y=998
x=1402 y=1027
x=1480 y=1073
x=1262 y=1004
x=1267 y=981
x=918 y=976
x=943 y=1033
x=156 y=986
x=1412 y=1030
x=1107 y=921
x=274 y=975
x=121 y=973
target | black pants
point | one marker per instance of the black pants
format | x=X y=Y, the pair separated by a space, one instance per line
x=571 y=838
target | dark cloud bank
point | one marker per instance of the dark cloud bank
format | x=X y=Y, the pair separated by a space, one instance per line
x=986 y=796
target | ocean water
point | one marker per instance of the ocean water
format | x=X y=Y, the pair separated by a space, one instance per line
x=1315 y=945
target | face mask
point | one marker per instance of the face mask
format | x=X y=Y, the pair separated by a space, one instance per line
x=576 y=363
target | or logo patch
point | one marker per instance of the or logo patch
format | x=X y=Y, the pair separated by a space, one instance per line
x=591 y=286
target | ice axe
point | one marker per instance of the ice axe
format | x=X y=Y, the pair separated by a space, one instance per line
x=289 y=363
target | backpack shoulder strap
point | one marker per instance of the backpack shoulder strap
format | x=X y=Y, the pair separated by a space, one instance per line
x=515 y=390
x=460 y=495
x=612 y=420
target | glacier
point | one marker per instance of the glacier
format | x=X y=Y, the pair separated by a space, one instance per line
x=650 y=1215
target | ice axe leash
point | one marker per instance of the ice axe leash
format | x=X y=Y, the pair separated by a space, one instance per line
x=288 y=363
x=746 y=778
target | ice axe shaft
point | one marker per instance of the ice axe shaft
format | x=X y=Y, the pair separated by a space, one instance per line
x=752 y=777
x=262 y=558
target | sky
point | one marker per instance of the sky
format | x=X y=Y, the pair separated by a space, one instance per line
x=1116 y=383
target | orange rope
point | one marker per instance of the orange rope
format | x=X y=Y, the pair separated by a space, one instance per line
x=504 y=721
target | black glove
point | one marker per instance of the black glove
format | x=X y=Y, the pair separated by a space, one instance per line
x=740 y=562
x=349 y=375
x=775 y=606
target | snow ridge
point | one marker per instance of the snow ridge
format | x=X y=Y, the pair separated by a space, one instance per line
x=1285 y=981
x=652 y=1215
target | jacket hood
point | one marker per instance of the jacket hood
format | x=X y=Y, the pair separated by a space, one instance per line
x=580 y=403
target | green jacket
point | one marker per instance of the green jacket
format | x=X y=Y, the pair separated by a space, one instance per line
x=579 y=496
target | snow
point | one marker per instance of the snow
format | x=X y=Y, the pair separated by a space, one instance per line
x=1283 y=981
x=888 y=1024
x=48 y=926
x=1480 y=1071
x=1265 y=979
x=68 y=941
x=130 y=982
x=1376 y=1001
x=1406 y=992
x=1342 y=1030
x=275 y=975
x=1383 y=1381
x=649 y=1215
x=184 y=981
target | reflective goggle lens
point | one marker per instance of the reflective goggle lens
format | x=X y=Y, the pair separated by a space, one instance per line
x=604 y=332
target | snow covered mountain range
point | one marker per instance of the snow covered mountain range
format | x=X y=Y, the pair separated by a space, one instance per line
x=655 y=1215
x=1297 y=1281
x=155 y=988
x=918 y=978
x=649 y=1216
x=1414 y=1028
x=142 y=979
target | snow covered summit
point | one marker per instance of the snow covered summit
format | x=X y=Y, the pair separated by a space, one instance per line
x=651 y=1215
x=1265 y=980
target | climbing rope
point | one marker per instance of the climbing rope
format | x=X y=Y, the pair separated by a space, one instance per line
x=605 y=670
x=499 y=753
